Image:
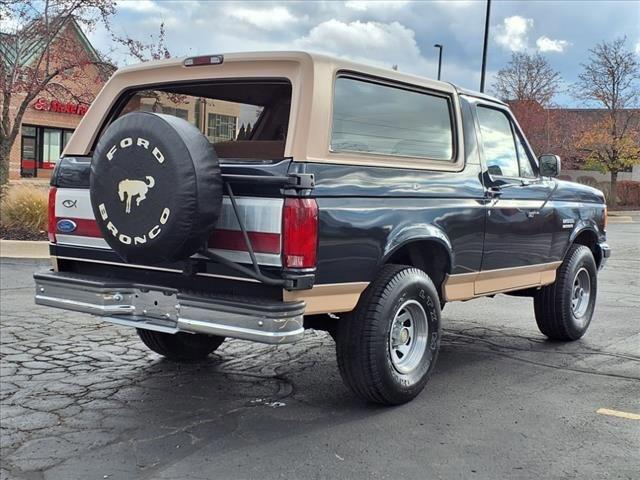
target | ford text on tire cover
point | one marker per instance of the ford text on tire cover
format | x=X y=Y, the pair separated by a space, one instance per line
x=254 y=196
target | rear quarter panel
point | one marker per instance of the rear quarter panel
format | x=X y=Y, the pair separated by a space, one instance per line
x=366 y=212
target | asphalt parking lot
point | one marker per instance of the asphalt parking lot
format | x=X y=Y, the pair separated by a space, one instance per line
x=85 y=400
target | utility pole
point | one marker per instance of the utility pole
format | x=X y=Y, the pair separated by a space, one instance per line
x=439 y=47
x=486 y=45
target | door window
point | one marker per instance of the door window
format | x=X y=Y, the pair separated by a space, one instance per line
x=526 y=170
x=29 y=160
x=498 y=142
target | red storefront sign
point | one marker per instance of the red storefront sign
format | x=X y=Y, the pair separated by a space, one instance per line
x=60 y=107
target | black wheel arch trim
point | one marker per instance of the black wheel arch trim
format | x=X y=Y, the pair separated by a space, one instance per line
x=407 y=235
x=590 y=226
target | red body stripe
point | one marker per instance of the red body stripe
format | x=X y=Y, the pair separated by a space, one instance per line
x=233 y=240
x=84 y=227
x=225 y=239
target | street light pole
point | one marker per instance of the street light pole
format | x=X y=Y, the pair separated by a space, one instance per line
x=486 y=44
x=439 y=47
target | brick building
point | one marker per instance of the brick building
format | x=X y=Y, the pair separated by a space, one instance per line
x=52 y=116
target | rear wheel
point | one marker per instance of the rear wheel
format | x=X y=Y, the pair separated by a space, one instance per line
x=387 y=347
x=180 y=347
x=564 y=309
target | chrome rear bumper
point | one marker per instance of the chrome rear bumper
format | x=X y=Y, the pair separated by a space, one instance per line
x=167 y=310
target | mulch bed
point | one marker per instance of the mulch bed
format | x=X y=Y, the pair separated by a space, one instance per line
x=17 y=233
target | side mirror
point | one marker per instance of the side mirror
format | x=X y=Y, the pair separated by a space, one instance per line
x=549 y=165
x=494 y=170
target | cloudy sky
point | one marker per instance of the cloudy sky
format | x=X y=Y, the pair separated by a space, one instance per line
x=387 y=33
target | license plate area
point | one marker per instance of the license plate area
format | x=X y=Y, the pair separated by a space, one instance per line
x=155 y=304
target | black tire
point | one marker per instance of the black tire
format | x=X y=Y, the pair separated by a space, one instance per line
x=180 y=347
x=556 y=316
x=364 y=346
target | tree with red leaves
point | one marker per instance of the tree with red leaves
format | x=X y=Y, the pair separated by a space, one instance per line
x=611 y=79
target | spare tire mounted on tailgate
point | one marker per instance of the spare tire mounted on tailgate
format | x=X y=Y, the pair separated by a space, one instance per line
x=156 y=187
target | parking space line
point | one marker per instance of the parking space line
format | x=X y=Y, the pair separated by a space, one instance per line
x=618 y=413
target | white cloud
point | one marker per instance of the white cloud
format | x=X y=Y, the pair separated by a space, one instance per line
x=513 y=33
x=457 y=4
x=638 y=47
x=10 y=23
x=266 y=18
x=140 y=6
x=364 y=5
x=385 y=43
x=546 y=44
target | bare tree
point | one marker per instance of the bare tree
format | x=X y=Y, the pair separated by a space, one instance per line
x=610 y=79
x=527 y=77
x=154 y=49
x=40 y=55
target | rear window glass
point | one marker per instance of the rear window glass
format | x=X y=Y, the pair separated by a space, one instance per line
x=247 y=120
x=382 y=119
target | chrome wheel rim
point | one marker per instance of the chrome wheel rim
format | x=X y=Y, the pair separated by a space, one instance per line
x=581 y=293
x=408 y=336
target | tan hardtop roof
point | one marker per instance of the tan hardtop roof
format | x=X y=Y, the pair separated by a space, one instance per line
x=295 y=56
x=315 y=59
x=310 y=73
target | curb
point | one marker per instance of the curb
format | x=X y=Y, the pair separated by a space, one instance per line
x=24 y=249
x=620 y=219
x=623 y=213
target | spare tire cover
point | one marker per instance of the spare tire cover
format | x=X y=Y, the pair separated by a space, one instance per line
x=156 y=187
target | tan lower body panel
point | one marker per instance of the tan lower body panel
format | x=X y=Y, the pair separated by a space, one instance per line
x=465 y=286
x=329 y=298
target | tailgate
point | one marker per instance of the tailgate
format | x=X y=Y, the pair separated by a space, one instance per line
x=78 y=234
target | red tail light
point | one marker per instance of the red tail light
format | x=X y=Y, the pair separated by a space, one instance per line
x=300 y=233
x=203 y=60
x=52 y=214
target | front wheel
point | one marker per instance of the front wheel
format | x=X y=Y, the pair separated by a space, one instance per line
x=180 y=347
x=387 y=347
x=564 y=309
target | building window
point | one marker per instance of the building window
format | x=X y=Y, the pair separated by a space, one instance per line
x=176 y=112
x=221 y=128
x=51 y=146
x=41 y=148
x=66 y=136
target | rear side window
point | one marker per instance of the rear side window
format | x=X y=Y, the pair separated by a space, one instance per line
x=247 y=120
x=382 y=119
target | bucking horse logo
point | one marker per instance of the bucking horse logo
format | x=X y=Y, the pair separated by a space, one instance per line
x=134 y=188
